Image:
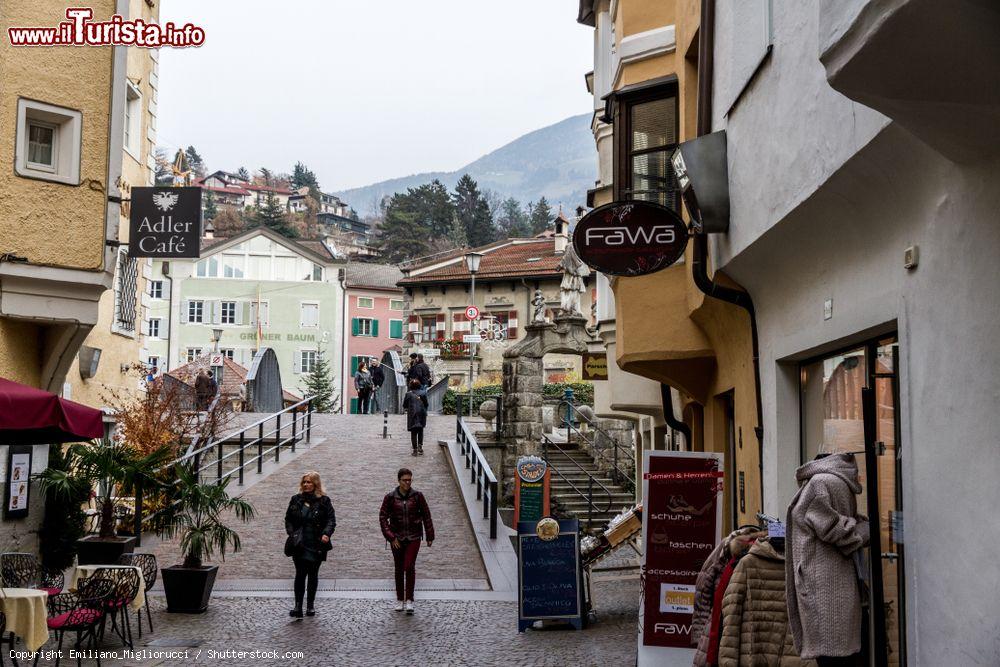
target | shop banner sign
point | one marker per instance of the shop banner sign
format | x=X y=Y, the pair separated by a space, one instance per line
x=531 y=489
x=549 y=575
x=18 y=482
x=630 y=238
x=681 y=524
x=165 y=222
x=595 y=366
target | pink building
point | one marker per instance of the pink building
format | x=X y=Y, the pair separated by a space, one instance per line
x=374 y=321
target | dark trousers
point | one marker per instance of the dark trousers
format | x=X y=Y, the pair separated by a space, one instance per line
x=842 y=661
x=405 y=560
x=417 y=438
x=376 y=404
x=305 y=570
x=364 y=396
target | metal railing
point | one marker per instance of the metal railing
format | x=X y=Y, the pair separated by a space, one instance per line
x=588 y=495
x=618 y=452
x=487 y=487
x=299 y=425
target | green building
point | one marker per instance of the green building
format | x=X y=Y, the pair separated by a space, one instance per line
x=259 y=289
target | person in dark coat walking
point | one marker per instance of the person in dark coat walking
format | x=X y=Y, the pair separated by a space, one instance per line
x=405 y=519
x=309 y=522
x=420 y=372
x=416 y=416
x=202 y=390
x=378 y=379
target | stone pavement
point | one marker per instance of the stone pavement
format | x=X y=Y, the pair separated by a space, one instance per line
x=358 y=468
x=364 y=632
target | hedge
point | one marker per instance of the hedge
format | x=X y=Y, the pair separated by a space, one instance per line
x=583 y=394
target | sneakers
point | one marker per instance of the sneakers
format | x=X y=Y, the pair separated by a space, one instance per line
x=409 y=607
x=414 y=452
x=420 y=451
x=399 y=605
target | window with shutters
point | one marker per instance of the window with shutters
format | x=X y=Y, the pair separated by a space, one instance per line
x=154 y=327
x=126 y=283
x=309 y=315
x=264 y=313
x=193 y=353
x=428 y=325
x=646 y=129
x=196 y=312
x=395 y=328
x=307 y=361
x=153 y=361
x=155 y=289
x=228 y=313
x=229 y=352
x=365 y=326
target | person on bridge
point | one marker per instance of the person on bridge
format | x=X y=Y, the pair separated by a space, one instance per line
x=363 y=385
x=421 y=372
x=416 y=416
x=405 y=518
x=309 y=522
x=378 y=379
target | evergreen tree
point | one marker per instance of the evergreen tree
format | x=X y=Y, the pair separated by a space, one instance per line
x=273 y=216
x=243 y=173
x=211 y=210
x=319 y=385
x=303 y=177
x=416 y=222
x=473 y=212
x=541 y=216
x=456 y=236
x=512 y=221
x=195 y=163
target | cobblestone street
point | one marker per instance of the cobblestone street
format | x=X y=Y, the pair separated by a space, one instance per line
x=358 y=468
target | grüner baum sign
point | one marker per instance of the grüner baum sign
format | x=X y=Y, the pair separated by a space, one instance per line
x=630 y=238
x=165 y=222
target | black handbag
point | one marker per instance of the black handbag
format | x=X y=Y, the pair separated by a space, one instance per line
x=293 y=544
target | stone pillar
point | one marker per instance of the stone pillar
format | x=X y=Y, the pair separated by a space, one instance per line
x=522 y=390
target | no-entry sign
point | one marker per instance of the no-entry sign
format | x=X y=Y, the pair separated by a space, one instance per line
x=472 y=313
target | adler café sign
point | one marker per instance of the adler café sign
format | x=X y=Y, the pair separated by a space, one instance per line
x=165 y=222
x=631 y=238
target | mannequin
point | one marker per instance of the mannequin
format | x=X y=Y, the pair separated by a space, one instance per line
x=823 y=531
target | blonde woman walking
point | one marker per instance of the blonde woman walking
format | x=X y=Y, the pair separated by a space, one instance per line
x=309 y=522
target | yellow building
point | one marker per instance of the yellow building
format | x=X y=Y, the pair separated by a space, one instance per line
x=118 y=338
x=58 y=193
x=661 y=329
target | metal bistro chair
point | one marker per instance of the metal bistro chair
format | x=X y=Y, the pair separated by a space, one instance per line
x=82 y=612
x=146 y=563
x=126 y=587
x=23 y=570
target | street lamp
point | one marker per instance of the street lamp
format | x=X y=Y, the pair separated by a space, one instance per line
x=217 y=370
x=472 y=261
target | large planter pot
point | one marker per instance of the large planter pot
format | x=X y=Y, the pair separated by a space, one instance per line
x=188 y=589
x=93 y=550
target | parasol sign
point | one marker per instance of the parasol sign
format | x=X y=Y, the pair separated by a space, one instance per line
x=631 y=238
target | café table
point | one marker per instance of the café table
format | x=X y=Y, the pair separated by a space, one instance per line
x=81 y=571
x=26 y=612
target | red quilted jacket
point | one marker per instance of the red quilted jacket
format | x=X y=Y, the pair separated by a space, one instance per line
x=405 y=517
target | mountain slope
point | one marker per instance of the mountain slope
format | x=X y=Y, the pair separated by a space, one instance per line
x=557 y=161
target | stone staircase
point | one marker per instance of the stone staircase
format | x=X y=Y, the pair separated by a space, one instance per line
x=571 y=467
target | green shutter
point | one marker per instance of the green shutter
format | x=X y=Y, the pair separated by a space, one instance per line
x=354 y=406
x=374 y=328
x=395 y=328
x=354 y=365
x=355 y=327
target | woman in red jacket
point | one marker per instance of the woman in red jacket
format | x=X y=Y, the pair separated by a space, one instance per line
x=405 y=518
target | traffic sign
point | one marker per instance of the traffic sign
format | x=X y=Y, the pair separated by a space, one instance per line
x=216 y=359
x=471 y=313
x=472 y=338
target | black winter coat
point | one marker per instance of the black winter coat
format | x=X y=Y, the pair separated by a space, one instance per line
x=323 y=521
x=378 y=376
x=420 y=371
x=416 y=411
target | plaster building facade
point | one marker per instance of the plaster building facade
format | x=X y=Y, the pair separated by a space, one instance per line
x=262 y=290
x=438 y=292
x=668 y=345
x=375 y=320
x=862 y=172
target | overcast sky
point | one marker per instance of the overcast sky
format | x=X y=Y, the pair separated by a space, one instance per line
x=362 y=91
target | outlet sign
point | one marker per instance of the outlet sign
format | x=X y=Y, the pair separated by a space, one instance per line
x=165 y=222
x=630 y=238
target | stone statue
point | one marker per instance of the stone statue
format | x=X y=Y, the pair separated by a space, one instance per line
x=572 y=286
x=539 y=303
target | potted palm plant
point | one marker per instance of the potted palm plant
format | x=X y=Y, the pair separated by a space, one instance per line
x=108 y=467
x=197 y=513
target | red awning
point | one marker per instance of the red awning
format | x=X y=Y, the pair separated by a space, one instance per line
x=30 y=416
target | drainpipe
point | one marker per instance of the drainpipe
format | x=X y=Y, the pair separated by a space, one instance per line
x=670 y=418
x=165 y=271
x=345 y=401
x=699 y=260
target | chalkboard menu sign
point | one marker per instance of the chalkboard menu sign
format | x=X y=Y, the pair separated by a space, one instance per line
x=549 y=574
x=531 y=489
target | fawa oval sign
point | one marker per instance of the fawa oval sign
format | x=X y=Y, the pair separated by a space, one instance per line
x=630 y=238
